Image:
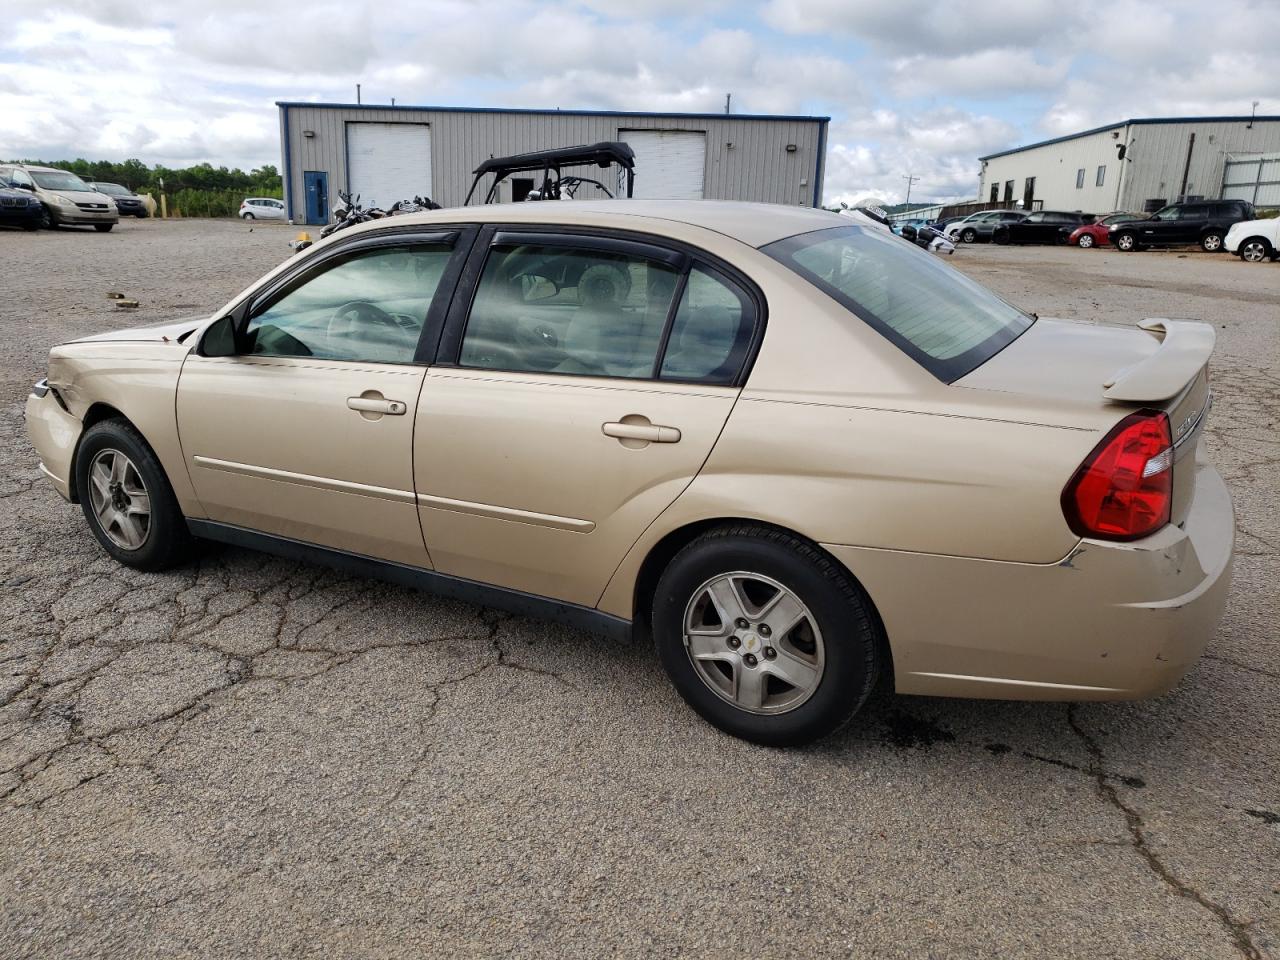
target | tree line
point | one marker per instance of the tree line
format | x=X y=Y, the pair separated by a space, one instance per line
x=137 y=176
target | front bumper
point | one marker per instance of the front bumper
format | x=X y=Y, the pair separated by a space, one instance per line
x=1111 y=621
x=74 y=215
x=54 y=433
x=21 y=215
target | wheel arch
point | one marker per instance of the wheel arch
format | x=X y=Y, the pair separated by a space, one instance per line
x=664 y=550
x=97 y=413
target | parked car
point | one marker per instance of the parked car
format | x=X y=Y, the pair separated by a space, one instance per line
x=64 y=197
x=615 y=416
x=980 y=226
x=1254 y=240
x=915 y=222
x=1095 y=234
x=1205 y=222
x=127 y=202
x=19 y=208
x=262 y=208
x=1043 y=226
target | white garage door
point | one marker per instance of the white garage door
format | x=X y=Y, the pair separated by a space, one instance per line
x=388 y=162
x=669 y=163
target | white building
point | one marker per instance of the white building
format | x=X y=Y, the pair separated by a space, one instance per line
x=1139 y=165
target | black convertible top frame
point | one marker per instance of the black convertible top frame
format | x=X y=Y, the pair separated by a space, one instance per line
x=605 y=154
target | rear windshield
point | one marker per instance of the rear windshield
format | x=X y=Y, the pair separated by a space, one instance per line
x=939 y=317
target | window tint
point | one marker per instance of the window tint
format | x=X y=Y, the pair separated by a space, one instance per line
x=370 y=307
x=711 y=332
x=1197 y=211
x=1035 y=218
x=1168 y=213
x=572 y=310
x=935 y=314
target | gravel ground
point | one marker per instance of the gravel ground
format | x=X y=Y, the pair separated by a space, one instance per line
x=251 y=757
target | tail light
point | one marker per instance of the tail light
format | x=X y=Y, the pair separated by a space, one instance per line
x=1124 y=488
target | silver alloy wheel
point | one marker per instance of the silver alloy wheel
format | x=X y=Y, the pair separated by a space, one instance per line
x=1255 y=251
x=119 y=499
x=1086 y=240
x=1125 y=241
x=754 y=643
x=1212 y=242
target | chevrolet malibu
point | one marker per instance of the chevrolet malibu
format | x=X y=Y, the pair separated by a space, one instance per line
x=802 y=455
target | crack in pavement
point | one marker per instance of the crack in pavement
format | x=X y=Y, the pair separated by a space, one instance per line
x=1138 y=841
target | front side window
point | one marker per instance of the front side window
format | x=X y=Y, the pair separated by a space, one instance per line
x=568 y=310
x=1168 y=213
x=936 y=315
x=371 y=307
x=20 y=176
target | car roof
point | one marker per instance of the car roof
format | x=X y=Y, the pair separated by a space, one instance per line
x=754 y=224
x=36 y=166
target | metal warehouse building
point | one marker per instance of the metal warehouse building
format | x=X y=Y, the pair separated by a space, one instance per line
x=390 y=153
x=1141 y=165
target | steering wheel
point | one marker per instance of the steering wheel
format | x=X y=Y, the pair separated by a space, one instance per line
x=343 y=319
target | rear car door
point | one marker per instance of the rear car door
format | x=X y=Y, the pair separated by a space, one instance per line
x=296 y=412
x=582 y=382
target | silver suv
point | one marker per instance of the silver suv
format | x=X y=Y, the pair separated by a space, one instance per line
x=65 y=197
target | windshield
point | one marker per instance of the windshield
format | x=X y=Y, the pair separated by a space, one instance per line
x=113 y=189
x=58 y=180
x=936 y=315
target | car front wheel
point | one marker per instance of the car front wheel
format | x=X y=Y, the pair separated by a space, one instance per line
x=127 y=499
x=103 y=227
x=47 y=221
x=1255 y=250
x=1127 y=242
x=1211 y=242
x=1086 y=240
x=765 y=635
x=969 y=236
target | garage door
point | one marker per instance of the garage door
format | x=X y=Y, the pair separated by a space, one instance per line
x=387 y=162
x=669 y=163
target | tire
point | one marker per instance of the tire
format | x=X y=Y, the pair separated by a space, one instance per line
x=47 y=221
x=1085 y=241
x=1255 y=250
x=1126 y=242
x=1211 y=242
x=103 y=227
x=835 y=648
x=1000 y=236
x=162 y=539
x=246 y=216
x=969 y=235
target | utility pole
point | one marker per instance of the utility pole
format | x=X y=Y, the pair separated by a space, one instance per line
x=357 y=93
x=729 y=96
x=910 y=180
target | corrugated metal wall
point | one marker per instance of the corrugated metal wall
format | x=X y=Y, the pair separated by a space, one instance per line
x=747 y=157
x=1153 y=167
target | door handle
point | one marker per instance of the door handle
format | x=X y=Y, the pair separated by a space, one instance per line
x=646 y=432
x=395 y=408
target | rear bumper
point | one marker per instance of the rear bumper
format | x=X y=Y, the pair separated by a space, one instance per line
x=54 y=433
x=1111 y=621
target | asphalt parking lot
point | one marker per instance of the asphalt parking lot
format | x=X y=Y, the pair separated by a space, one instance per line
x=252 y=757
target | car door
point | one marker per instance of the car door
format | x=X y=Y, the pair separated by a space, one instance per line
x=1027 y=230
x=296 y=411
x=1162 y=227
x=582 y=383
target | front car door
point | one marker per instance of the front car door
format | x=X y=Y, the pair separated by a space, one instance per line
x=1162 y=227
x=583 y=380
x=296 y=412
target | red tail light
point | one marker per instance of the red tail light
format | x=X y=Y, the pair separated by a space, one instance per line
x=1123 y=490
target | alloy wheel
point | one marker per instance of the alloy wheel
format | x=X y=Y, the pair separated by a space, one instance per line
x=1212 y=243
x=1255 y=251
x=754 y=643
x=119 y=499
x=1125 y=241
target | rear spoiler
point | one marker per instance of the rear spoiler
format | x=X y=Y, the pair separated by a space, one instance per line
x=1184 y=349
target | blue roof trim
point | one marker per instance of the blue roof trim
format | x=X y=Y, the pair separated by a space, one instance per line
x=286 y=104
x=1136 y=122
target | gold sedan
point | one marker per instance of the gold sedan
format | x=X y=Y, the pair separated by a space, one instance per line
x=800 y=454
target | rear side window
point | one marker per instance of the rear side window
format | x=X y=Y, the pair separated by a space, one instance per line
x=711 y=332
x=943 y=320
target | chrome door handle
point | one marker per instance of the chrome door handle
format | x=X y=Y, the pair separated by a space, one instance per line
x=648 y=432
x=395 y=408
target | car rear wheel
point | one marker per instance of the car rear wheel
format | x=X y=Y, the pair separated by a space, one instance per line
x=127 y=499
x=1127 y=242
x=1255 y=250
x=765 y=635
x=969 y=235
x=1000 y=236
x=1211 y=242
x=1086 y=240
x=103 y=227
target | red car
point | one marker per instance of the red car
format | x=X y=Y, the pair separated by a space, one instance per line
x=1095 y=234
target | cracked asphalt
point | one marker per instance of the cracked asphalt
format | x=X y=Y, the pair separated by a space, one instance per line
x=256 y=758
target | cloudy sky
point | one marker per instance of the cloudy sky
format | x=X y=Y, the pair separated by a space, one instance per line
x=913 y=86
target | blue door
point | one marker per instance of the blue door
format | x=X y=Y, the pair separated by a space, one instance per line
x=316 y=184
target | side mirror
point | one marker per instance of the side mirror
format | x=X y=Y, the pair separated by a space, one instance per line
x=219 y=339
x=534 y=288
x=25 y=186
